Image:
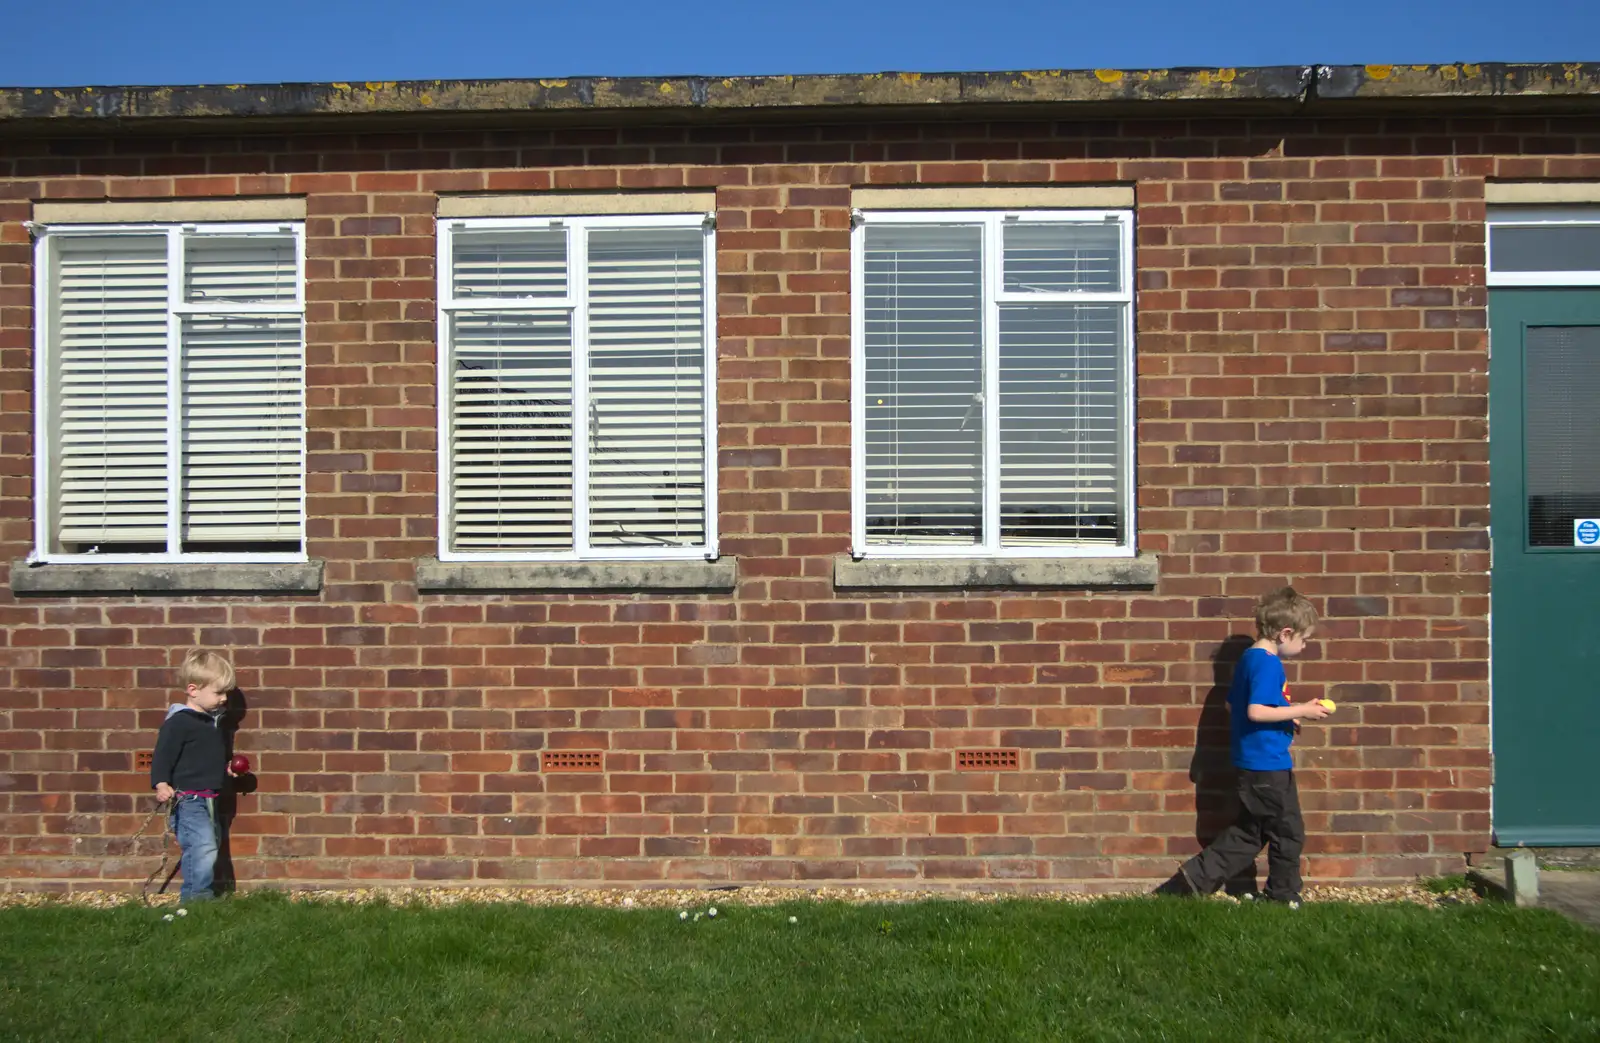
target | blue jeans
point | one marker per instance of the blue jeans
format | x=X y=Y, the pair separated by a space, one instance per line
x=192 y=821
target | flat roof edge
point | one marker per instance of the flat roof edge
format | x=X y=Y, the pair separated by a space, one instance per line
x=1314 y=89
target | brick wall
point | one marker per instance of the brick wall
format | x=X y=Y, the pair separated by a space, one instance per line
x=1312 y=409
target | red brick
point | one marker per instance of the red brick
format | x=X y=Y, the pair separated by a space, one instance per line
x=1307 y=326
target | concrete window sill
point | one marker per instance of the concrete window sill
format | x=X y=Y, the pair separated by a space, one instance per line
x=1138 y=573
x=82 y=579
x=540 y=577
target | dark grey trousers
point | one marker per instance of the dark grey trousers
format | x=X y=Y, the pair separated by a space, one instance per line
x=1269 y=814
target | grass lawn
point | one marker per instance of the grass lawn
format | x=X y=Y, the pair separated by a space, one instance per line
x=264 y=968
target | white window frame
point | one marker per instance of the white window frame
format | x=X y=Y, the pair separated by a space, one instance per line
x=576 y=302
x=177 y=310
x=1538 y=217
x=993 y=223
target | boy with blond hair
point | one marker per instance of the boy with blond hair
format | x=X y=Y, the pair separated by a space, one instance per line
x=190 y=766
x=1264 y=724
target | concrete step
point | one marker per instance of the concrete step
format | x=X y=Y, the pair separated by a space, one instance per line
x=1574 y=893
x=1549 y=857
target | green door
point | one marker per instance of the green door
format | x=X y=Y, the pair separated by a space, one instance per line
x=1544 y=430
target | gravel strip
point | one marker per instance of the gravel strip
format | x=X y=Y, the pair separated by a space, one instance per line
x=688 y=898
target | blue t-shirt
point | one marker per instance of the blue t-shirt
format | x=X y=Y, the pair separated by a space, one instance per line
x=1263 y=745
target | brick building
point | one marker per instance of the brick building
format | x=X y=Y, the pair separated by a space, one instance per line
x=798 y=478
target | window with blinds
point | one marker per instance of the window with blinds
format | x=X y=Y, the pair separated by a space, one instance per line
x=576 y=407
x=993 y=355
x=173 y=393
x=924 y=385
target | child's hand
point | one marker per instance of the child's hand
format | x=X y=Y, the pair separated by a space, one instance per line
x=1313 y=709
x=163 y=792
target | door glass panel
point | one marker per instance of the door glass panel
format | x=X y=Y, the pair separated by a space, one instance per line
x=1544 y=248
x=1562 y=410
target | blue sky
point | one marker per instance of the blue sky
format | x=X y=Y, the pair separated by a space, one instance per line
x=92 y=42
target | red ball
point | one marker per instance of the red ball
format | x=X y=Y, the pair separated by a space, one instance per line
x=240 y=765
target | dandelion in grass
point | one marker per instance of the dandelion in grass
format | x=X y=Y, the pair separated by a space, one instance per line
x=712 y=911
x=683 y=914
x=167 y=918
x=183 y=912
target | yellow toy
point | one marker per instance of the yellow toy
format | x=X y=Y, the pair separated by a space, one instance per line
x=1327 y=704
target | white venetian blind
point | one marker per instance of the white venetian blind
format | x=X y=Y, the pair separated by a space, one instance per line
x=527 y=263
x=511 y=431
x=646 y=387
x=1060 y=423
x=109 y=370
x=242 y=413
x=924 y=383
x=242 y=424
x=225 y=270
x=1052 y=257
x=1061 y=386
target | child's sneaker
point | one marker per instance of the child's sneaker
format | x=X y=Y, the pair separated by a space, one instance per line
x=1179 y=886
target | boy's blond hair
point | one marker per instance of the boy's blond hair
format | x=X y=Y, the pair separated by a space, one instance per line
x=1282 y=609
x=202 y=667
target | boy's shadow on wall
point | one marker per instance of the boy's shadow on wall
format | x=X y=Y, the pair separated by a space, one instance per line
x=1211 y=769
x=225 y=880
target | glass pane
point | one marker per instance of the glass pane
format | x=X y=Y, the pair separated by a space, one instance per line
x=523 y=263
x=1561 y=411
x=511 y=431
x=646 y=388
x=924 y=384
x=243 y=418
x=1057 y=258
x=1061 y=424
x=1544 y=248
x=243 y=269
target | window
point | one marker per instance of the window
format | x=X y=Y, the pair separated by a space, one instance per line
x=576 y=360
x=993 y=384
x=1544 y=246
x=171 y=384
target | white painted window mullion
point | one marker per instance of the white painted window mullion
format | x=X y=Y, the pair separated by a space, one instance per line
x=1128 y=427
x=242 y=310
x=45 y=407
x=708 y=311
x=507 y=304
x=990 y=542
x=444 y=335
x=578 y=287
x=174 y=391
x=305 y=397
x=858 y=389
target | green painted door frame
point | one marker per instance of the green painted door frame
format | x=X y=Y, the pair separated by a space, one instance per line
x=1545 y=600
